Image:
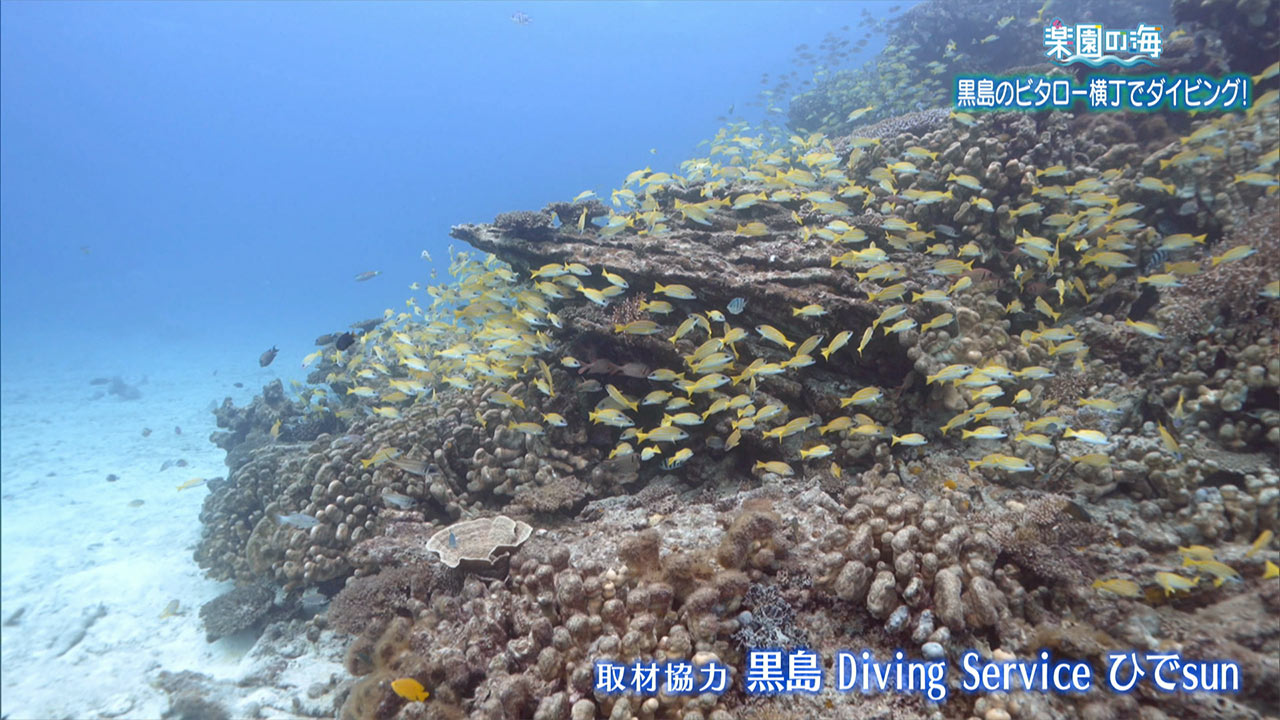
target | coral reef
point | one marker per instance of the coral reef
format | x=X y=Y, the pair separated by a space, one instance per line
x=937 y=384
x=236 y=610
x=479 y=542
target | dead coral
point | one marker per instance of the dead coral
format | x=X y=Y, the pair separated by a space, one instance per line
x=372 y=599
x=236 y=610
x=1041 y=536
x=628 y=311
x=769 y=621
x=914 y=123
x=479 y=542
x=1067 y=387
x=526 y=224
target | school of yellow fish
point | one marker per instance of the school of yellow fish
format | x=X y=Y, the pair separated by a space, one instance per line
x=494 y=326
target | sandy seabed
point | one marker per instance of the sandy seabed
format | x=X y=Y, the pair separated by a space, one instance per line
x=85 y=577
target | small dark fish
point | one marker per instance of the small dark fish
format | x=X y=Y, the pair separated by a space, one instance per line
x=1156 y=261
x=414 y=467
x=239 y=385
x=136 y=503
x=266 y=357
x=395 y=499
x=599 y=366
x=123 y=390
x=113 y=477
x=346 y=441
x=368 y=275
x=298 y=520
x=312 y=600
x=982 y=275
x=177 y=430
x=632 y=369
x=166 y=465
x=169 y=610
x=344 y=341
x=146 y=432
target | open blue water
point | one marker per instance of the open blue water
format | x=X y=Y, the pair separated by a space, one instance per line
x=202 y=174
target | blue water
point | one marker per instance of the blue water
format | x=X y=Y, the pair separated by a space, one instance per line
x=194 y=177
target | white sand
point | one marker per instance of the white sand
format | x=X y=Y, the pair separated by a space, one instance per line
x=74 y=549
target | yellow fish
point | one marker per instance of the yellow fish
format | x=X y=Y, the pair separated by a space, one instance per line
x=528 y=428
x=616 y=280
x=812 y=310
x=410 y=690
x=193 y=482
x=1117 y=586
x=986 y=432
x=380 y=457
x=1092 y=437
x=1044 y=307
x=940 y=321
x=1260 y=543
x=909 y=439
x=1169 y=442
x=859 y=113
x=1145 y=328
x=866 y=338
x=506 y=400
x=679 y=292
x=678 y=459
x=1004 y=462
x=774 y=335
x=840 y=340
x=1238 y=252
x=1195 y=552
x=1098 y=460
x=621 y=399
x=817 y=451
x=865 y=396
x=775 y=467
x=1220 y=571
x=637 y=327
x=950 y=372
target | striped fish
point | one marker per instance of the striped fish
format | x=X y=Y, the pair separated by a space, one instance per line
x=1155 y=261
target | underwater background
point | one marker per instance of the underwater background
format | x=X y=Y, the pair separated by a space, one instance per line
x=332 y=383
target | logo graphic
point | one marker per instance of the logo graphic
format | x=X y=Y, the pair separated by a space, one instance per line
x=1095 y=46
